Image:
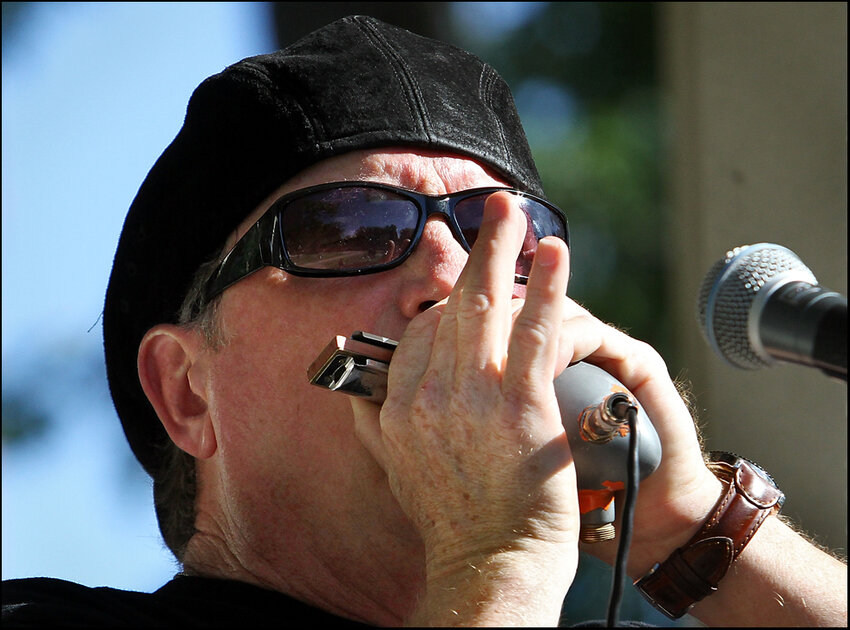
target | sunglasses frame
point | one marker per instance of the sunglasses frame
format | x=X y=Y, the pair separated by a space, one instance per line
x=262 y=245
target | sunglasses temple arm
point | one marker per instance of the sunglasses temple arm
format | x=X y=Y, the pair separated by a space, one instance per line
x=251 y=253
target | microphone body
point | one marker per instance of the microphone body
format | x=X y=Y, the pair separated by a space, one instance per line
x=760 y=304
x=599 y=442
x=806 y=324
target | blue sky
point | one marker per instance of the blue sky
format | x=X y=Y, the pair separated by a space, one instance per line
x=92 y=94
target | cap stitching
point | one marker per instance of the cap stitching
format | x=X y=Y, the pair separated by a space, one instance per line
x=414 y=102
x=486 y=82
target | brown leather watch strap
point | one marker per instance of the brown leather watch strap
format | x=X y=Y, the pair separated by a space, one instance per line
x=693 y=571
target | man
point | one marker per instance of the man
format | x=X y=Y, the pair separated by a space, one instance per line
x=291 y=208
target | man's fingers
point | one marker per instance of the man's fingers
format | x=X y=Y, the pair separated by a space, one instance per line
x=535 y=341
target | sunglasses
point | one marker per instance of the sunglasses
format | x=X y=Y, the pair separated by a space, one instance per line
x=354 y=228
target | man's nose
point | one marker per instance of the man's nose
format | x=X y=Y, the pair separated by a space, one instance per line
x=432 y=269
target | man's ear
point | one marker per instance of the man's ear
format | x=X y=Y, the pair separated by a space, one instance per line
x=172 y=374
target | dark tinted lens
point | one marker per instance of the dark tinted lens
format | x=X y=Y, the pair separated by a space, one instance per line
x=541 y=221
x=348 y=228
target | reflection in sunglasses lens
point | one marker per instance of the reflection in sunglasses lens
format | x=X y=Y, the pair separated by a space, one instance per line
x=348 y=228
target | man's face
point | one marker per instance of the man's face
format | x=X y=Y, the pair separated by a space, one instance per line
x=294 y=482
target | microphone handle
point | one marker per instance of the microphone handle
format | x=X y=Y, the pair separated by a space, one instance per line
x=806 y=324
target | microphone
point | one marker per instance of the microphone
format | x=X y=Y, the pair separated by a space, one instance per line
x=600 y=440
x=760 y=304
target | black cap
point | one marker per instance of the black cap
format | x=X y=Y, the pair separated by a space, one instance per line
x=355 y=84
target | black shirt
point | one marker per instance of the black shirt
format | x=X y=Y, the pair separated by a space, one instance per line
x=183 y=602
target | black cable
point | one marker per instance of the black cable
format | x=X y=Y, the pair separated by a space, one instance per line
x=618 y=581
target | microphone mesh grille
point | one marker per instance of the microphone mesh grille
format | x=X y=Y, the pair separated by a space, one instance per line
x=741 y=274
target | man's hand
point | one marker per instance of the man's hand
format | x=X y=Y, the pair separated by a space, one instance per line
x=471 y=439
x=674 y=501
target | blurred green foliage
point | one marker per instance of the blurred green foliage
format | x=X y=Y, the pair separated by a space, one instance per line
x=584 y=76
x=22 y=420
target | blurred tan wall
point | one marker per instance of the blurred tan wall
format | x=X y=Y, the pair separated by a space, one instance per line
x=757 y=97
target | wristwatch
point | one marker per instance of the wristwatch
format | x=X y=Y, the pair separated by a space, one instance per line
x=694 y=570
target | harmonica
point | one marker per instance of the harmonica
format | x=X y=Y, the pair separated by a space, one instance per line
x=355 y=365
